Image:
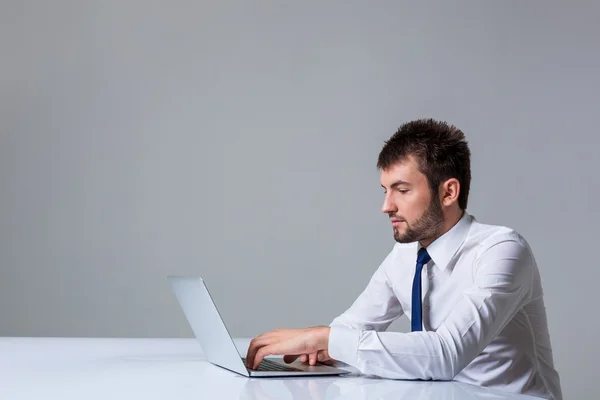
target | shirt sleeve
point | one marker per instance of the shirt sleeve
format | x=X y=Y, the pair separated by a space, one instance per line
x=376 y=307
x=501 y=286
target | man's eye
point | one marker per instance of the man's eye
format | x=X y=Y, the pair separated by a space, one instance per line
x=403 y=191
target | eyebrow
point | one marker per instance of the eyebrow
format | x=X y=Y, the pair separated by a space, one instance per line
x=397 y=183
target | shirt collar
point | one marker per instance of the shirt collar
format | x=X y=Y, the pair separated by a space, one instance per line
x=443 y=248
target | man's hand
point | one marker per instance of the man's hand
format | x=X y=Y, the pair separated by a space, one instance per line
x=289 y=342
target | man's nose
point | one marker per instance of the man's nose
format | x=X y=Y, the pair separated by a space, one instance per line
x=388 y=206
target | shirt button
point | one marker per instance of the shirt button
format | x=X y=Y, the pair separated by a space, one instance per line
x=426 y=307
x=430 y=276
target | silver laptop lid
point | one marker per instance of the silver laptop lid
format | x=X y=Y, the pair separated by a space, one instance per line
x=206 y=322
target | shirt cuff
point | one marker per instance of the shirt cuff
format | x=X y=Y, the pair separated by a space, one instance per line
x=343 y=344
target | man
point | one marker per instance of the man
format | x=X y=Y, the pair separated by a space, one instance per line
x=472 y=291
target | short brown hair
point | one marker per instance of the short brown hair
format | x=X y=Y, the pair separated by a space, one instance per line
x=441 y=149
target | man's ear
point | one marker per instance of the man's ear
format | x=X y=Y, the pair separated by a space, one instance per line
x=449 y=191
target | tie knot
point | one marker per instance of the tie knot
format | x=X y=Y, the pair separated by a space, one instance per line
x=423 y=256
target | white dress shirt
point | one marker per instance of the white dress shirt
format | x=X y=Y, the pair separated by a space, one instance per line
x=484 y=319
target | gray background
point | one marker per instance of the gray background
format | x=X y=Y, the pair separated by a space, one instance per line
x=239 y=142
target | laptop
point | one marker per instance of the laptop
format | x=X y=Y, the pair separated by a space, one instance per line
x=210 y=330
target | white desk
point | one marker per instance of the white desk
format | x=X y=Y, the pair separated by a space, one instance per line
x=165 y=369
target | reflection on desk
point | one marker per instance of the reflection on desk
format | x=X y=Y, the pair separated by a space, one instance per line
x=162 y=369
x=366 y=389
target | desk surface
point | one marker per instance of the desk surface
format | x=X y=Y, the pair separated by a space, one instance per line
x=68 y=368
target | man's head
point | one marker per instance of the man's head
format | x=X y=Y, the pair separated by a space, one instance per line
x=426 y=174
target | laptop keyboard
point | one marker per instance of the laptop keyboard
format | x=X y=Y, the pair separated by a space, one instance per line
x=268 y=365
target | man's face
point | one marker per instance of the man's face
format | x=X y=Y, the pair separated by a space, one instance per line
x=415 y=214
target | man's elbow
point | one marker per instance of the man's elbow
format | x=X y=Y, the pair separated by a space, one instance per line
x=445 y=374
x=440 y=374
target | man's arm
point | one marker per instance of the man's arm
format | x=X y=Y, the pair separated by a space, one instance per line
x=501 y=287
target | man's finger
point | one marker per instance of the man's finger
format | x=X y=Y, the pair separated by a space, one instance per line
x=304 y=358
x=255 y=345
x=312 y=358
x=261 y=354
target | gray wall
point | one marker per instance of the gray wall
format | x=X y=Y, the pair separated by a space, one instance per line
x=238 y=142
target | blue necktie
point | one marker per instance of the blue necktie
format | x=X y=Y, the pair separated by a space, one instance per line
x=416 y=322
